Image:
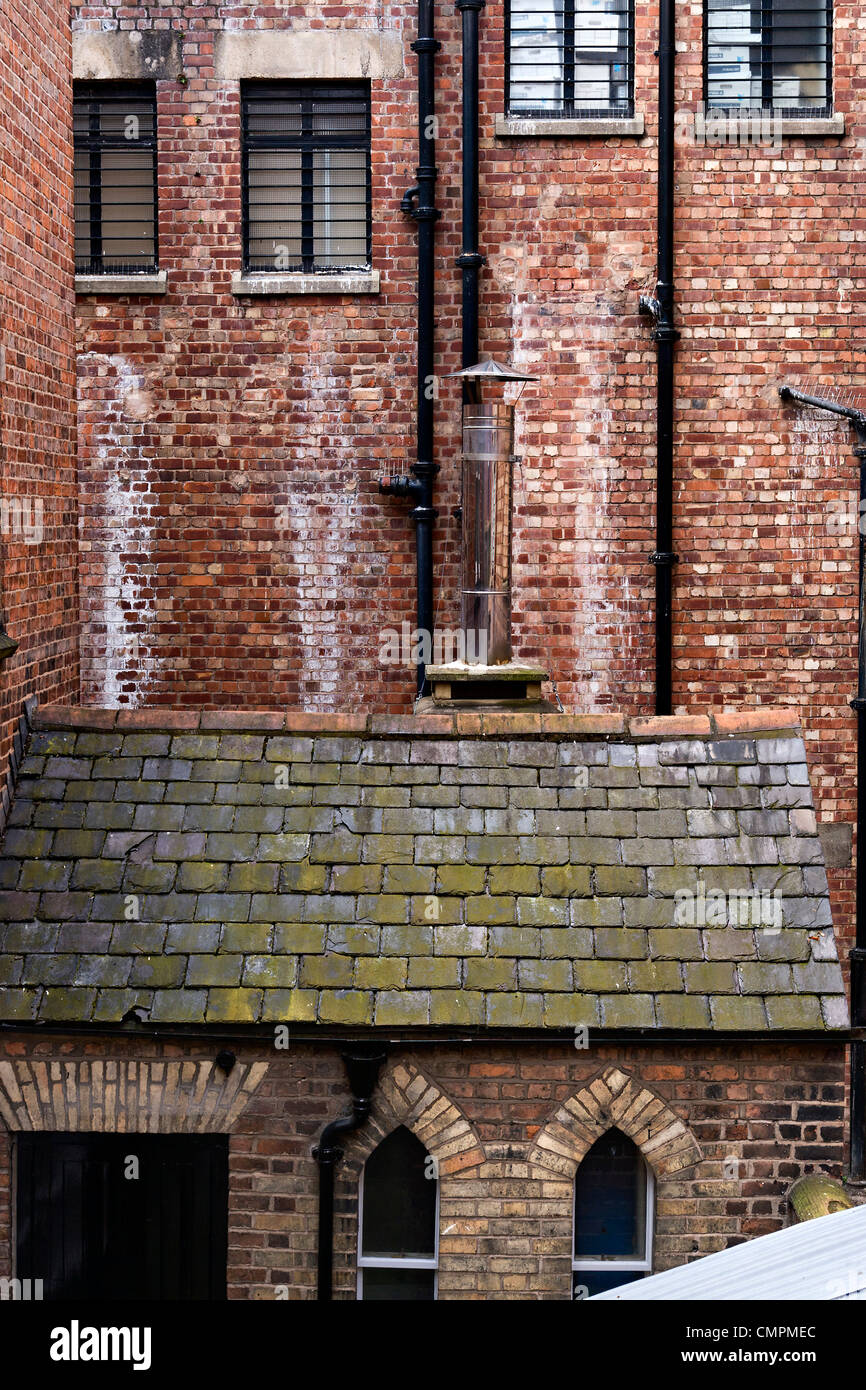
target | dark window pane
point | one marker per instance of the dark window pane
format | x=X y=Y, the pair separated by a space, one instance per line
x=306 y=176
x=398 y=1285
x=610 y=1201
x=595 y=1281
x=776 y=55
x=115 y=178
x=570 y=57
x=399 y=1217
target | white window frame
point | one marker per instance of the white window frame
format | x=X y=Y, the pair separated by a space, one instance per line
x=394 y=1261
x=616 y=1263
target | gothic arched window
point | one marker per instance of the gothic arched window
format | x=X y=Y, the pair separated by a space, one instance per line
x=398 y=1235
x=613 y=1216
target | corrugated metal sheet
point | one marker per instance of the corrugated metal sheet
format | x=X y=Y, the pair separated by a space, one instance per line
x=822 y=1260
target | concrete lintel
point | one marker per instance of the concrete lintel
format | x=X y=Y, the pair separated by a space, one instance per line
x=128 y=55
x=309 y=53
x=532 y=128
x=295 y=282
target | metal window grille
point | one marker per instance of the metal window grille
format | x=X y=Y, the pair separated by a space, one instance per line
x=114 y=128
x=570 y=58
x=772 y=54
x=306 y=176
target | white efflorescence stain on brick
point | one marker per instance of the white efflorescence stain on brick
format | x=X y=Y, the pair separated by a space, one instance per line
x=117 y=665
x=568 y=473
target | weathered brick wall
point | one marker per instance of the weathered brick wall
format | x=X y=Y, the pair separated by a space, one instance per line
x=230 y=448
x=38 y=542
x=753 y=1118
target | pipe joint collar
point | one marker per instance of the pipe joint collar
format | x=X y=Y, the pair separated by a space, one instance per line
x=470 y=260
x=327 y=1156
x=666 y=333
x=425 y=45
x=469 y=5
x=663 y=557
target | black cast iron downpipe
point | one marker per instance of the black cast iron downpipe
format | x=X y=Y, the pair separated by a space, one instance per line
x=419 y=202
x=665 y=335
x=470 y=259
x=362 y=1071
x=857 y=955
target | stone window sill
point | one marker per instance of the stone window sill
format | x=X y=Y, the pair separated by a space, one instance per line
x=294 y=282
x=122 y=284
x=706 y=127
x=530 y=127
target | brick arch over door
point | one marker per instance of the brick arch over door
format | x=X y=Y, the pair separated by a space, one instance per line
x=105 y=1095
x=407 y=1096
x=614 y=1099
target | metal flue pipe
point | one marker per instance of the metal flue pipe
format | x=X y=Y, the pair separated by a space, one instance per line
x=665 y=336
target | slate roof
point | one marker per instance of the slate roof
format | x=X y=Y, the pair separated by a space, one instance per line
x=460 y=870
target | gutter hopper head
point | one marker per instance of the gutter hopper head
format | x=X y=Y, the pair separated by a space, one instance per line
x=490 y=370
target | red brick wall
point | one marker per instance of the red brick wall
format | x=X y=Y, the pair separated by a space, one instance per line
x=208 y=421
x=761 y=1117
x=38 y=545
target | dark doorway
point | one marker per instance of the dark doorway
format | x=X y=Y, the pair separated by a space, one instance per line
x=123 y=1216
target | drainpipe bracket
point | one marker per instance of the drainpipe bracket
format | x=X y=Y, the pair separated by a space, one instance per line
x=858 y=703
x=425 y=45
x=663 y=557
x=401 y=487
x=327 y=1155
x=470 y=260
x=665 y=333
x=469 y=4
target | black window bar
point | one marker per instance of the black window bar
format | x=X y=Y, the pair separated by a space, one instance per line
x=570 y=58
x=114 y=133
x=772 y=54
x=306 y=176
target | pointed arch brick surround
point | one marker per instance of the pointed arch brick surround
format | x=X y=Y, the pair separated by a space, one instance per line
x=615 y=1099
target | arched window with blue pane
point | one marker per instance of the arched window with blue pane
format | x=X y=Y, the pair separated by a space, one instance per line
x=398 y=1236
x=613 y=1216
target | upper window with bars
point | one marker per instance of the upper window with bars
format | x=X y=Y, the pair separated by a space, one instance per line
x=773 y=54
x=570 y=58
x=114 y=128
x=306 y=176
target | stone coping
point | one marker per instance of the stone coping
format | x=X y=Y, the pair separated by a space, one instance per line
x=763 y=721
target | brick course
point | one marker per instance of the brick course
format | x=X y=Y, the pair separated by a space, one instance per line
x=753 y=1118
x=38 y=538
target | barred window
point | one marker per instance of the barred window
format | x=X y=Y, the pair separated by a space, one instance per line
x=114 y=126
x=306 y=176
x=769 y=53
x=613 y=1216
x=570 y=58
x=398 y=1237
